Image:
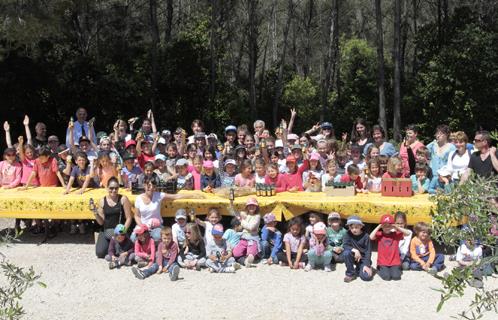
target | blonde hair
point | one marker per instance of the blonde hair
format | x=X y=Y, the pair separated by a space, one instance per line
x=166 y=231
x=391 y=165
x=422 y=226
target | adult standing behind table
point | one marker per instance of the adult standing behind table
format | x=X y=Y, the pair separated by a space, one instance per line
x=360 y=134
x=440 y=148
x=408 y=150
x=458 y=160
x=379 y=138
x=484 y=162
x=80 y=127
x=148 y=206
x=113 y=209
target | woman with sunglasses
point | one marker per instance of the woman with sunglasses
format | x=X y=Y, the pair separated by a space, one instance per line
x=113 y=209
x=148 y=206
x=10 y=170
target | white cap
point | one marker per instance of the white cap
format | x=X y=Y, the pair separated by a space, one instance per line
x=161 y=141
x=160 y=157
x=279 y=144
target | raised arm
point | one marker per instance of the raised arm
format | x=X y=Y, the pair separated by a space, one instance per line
x=154 y=144
x=373 y=234
x=91 y=134
x=25 y=122
x=20 y=148
x=8 y=139
x=70 y=132
x=152 y=121
x=139 y=139
x=292 y=118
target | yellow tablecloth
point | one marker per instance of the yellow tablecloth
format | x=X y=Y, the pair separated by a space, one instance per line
x=50 y=203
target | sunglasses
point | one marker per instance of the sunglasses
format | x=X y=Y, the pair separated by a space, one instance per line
x=113 y=188
x=477 y=140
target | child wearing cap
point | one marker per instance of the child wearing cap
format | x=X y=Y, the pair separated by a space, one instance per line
x=422 y=253
x=320 y=252
x=184 y=179
x=335 y=235
x=145 y=248
x=130 y=170
x=219 y=253
x=312 y=177
x=227 y=176
x=271 y=239
x=294 y=243
x=232 y=235
x=178 y=229
x=193 y=253
x=357 y=251
x=248 y=246
x=388 y=236
x=209 y=178
x=442 y=182
x=160 y=168
x=167 y=252
x=121 y=249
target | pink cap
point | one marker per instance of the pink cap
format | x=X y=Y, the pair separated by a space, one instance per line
x=208 y=164
x=130 y=142
x=292 y=136
x=252 y=201
x=314 y=156
x=319 y=228
x=141 y=229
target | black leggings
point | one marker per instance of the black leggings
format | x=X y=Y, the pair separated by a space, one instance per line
x=282 y=256
x=102 y=245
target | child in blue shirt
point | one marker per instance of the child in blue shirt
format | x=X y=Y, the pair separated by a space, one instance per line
x=442 y=182
x=271 y=239
x=420 y=182
x=232 y=236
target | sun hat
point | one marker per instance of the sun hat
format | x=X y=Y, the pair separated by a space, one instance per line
x=292 y=136
x=296 y=147
x=130 y=142
x=208 y=164
x=279 y=144
x=290 y=158
x=161 y=157
x=181 y=162
x=326 y=125
x=230 y=128
x=230 y=161
x=314 y=156
x=444 y=171
x=252 y=201
x=119 y=229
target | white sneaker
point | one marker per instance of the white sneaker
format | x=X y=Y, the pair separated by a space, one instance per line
x=236 y=266
x=229 y=270
x=307 y=268
x=327 y=268
x=82 y=228
x=72 y=230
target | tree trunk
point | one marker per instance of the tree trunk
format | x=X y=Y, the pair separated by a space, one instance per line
x=169 y=21
x=397 y=72
x=415 y=31
x=380 y=65
x=154 y=55
x=330 y=60
x=278 y=89
x=253 y=54
x=265 y=53
x=212 y=51
x=307 y=48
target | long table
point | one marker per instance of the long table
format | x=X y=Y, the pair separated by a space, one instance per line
x=50 y=203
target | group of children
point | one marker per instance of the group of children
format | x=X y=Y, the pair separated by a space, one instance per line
x=315 y=246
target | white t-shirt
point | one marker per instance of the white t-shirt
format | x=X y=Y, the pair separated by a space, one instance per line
x=151 y=210
x=458 y=163
x=179 y=231
x=465 y=253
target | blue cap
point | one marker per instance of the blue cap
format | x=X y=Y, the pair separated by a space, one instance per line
x=326 y=125
x=354 y=220
x=231 y=128
x=119 y=229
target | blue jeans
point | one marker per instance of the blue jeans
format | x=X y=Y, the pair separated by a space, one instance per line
x=321 y=261
x=438 y=263
x=354 y=268
x=266 y=249
x=153 y=269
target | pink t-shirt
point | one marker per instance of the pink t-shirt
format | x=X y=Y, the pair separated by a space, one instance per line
x=46 y=172
x=293 y=241
x=27 y=168
x=197 y=177
x=240 y=181
x=403 y=153
x=10 y=174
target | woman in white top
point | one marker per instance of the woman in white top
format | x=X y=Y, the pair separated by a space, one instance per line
x=148 y=206
x=458 y=160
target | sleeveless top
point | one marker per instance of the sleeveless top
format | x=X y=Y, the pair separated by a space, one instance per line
x=113 y=215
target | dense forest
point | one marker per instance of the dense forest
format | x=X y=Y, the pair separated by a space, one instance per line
x=226 y=61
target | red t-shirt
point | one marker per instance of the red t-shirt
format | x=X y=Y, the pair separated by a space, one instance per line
x=47 y=172
x=144 y=158
x=346 y=178
x=388 y=248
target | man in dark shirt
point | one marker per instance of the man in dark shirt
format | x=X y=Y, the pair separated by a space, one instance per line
x=483 y=162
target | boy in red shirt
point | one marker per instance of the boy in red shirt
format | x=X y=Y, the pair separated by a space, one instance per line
x=388 y=260
x=46 y=170
x=353 y=175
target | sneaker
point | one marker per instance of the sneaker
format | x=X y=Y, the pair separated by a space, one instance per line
x=72 y=230
x=211 y=270
x=236 y=266
x=307 y=268
x=142 y=264
x=348 y=279
x=138 y=273
x=327 y=268
x=301 y=265
x=432 y=271
x=264 y=261
x=332 y=267
x=249 y=261
x=113 y=265
x=229 y=270
x=405 y=266
x=173 y=275
x=280 y=263
x=82 y=228
x=198 y=266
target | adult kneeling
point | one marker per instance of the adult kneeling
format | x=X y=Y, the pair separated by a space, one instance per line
x=148 y=206
x=113 y=209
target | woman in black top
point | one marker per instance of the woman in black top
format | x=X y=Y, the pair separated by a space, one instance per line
x=112 y=210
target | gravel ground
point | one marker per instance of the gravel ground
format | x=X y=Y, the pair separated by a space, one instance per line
x=79 y=286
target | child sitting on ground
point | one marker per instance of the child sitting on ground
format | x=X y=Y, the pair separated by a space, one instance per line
x=388 y=257
x=232 y=236
x=167 y=252
x=193 y=253
x=213 y=217
x=422 y=253
x=357 y=251
x=404 y=245
x=320 y=252
x=335 y=236
x=145 y=248
x=271 y=239
x=220 y=259
x=469 y=253
x=121 y=249
x=294 y=242
x=248 y=246
x=178 y=228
